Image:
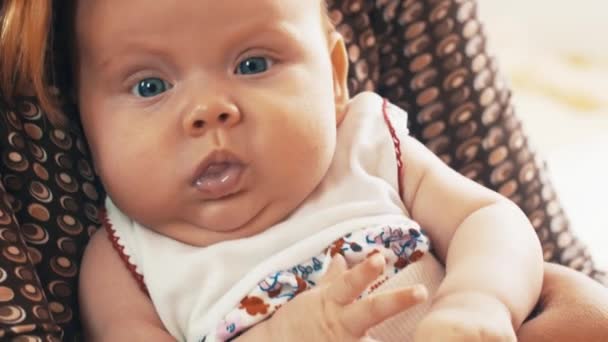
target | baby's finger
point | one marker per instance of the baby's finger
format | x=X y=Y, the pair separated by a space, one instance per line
x=337 y=266
x=366 y=313
x=368 y=339
x=346 y=288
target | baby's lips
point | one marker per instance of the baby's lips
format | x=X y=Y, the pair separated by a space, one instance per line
x=214 y=160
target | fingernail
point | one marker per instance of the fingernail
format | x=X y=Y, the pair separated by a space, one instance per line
x=377 y=259
x=419 y=292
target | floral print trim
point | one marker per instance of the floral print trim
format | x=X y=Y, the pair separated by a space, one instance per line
x=401 y=245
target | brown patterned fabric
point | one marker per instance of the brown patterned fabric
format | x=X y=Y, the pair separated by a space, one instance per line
x=49 y=209
x=427 y=56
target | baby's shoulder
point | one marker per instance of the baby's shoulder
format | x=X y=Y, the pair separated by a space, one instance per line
x=364 y=104
x=368 y=112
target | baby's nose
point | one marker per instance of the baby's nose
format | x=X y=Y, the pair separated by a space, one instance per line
x=203 y=118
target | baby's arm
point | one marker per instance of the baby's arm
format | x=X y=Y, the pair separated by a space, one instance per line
x=112 y=306
x=492 y=255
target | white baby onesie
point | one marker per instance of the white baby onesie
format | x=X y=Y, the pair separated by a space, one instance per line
x=206 y=293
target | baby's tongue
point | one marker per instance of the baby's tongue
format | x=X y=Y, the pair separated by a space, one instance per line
x=215 y=170
x=219 y=179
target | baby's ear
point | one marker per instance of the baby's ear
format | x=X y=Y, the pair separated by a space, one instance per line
x=339 y=61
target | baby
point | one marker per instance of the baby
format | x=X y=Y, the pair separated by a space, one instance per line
x=237 y=168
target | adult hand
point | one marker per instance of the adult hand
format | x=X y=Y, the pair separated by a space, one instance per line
x=573 y=307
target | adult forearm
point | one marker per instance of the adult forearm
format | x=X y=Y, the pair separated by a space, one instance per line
x=495 y=251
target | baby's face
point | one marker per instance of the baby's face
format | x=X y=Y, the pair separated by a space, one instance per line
x=208 y=120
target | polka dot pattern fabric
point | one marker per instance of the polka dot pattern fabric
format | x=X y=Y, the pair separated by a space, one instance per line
x=49 y=205
x=427 y=56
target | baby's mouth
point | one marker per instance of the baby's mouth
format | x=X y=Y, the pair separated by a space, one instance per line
x=219 y=176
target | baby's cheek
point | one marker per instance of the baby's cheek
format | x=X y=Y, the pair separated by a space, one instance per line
x=304 y=160
x=127 y=170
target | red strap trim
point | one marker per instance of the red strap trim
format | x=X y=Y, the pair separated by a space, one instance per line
x=396 y=143
x=121 y=251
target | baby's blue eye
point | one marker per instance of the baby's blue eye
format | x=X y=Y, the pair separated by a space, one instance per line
x=253 y=65
x=149 y=87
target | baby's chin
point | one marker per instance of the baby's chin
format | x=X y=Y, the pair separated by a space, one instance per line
x=201 y=237
x=213 y=228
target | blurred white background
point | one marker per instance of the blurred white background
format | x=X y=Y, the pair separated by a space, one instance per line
x=554 y=53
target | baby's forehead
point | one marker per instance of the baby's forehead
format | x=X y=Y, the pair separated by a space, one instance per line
x=106 y=29
x=99 y=14
x=267 y=8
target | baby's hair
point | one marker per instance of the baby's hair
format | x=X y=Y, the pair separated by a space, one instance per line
x=24 y=42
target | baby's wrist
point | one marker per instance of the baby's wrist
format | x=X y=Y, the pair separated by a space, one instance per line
x=471 y=301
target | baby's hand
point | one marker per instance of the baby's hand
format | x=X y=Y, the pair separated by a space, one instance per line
x=331 y=312
x=470 y=317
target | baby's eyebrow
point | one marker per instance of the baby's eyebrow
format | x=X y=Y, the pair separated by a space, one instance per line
x=280 y=29
x=106 y=62
x=131 y=51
